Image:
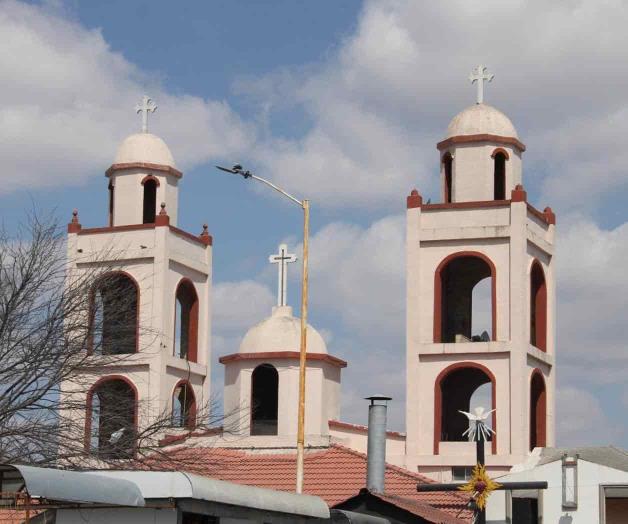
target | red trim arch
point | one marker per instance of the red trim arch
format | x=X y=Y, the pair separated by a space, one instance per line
x=438 y=400
x=192 y=334
x=538 y=410
x=88 y=405
x=151 y=177
x=438 y=292
x=92 y=295
x=538 y=306
x=501 y=150
x=190 y=422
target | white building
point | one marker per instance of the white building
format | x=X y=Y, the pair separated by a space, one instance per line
x=585 y=486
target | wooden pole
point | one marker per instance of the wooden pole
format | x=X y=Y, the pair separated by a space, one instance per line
x=303 y=349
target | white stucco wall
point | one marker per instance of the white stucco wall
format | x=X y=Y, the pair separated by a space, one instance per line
x=590 y=477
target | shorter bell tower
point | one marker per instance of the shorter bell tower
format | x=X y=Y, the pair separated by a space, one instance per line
x=262 y=378
x=149 y=302
x=480 y=302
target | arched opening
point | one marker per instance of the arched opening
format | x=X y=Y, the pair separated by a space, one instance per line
x=538 y=411
x=114 y=315
x=456 y=299
x=150 y=201
x=183 y=406
x=499 y=176
x=111 y=418
x=110 y=187
x=264 y=400
x=448 y=182
x=461 y=387
x=538 y=307
x=186 y=321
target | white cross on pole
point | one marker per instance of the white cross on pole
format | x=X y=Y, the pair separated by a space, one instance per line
x=282 y=259
x=479 y=75
x=147 y=106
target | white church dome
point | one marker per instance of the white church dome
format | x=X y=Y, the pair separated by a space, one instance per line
x=281 y=332
x=481 y=119
x=144 y=148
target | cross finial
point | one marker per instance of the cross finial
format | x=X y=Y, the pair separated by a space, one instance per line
x=147 y=106
x=479 y=75
x=282 y=259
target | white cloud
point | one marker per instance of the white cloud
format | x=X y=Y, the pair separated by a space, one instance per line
x=380 y=104
x=237 y=306
x=68 y=99
x=581 y=420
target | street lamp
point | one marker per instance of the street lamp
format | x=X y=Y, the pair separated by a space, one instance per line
x=305 y=205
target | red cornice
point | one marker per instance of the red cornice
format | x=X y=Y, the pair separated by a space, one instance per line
x=266 y=355
x=362 y=429
x=467 y=205
x=484 y=137
x=202 y=240
x=144 y=165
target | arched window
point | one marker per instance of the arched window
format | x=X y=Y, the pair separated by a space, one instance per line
x=499 y=176
x=448 y=182
x=538 y=411
x=111 y=202
x=264 y=400
x=183 y=406
x=463 y=386
x=150 y=201
x=455 y=280
x=186 y=321
x=111 y=419
x=114 y=315
x=538 y=307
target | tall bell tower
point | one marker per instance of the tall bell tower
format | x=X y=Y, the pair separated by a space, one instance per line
x=483 y=231
x=149 y=302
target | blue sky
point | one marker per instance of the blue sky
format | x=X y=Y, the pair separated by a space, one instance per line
x=342 y=102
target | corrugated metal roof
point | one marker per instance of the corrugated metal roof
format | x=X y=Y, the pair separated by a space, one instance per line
x=609 y=456
x=74 y=486
x=160 y=485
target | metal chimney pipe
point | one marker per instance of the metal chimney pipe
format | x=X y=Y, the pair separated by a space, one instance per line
x=376 y=453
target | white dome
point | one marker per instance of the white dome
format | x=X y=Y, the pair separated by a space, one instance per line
x=281 y=332
x=145 y=148
x=481 y=119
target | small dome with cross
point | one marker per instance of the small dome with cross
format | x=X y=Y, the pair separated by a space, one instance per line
x=480 y=119
x=281 y=332
x=144 y=148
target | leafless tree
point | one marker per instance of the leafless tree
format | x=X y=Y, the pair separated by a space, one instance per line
x=52 y=342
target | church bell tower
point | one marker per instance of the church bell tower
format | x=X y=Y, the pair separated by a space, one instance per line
x=149 y=302
x=480 y=302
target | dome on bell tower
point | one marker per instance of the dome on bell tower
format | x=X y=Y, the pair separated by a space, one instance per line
x=144 y=148
x=481 y=119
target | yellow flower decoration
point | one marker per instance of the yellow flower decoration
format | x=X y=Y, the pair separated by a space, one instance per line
x=480 y=486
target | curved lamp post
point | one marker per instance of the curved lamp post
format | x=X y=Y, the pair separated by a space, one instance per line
x=305 y=205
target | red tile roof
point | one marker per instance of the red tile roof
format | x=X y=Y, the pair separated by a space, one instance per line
x=335 y=474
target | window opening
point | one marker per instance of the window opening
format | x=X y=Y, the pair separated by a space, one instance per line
x=183 y=406
x=112 y=422
x=458 y=280
x=114 y=315
x=538 y=414
x=150 y=201
x=499 y=185
x=186 y=321
x=538 y=307
x=447 y=166
x=265 y=400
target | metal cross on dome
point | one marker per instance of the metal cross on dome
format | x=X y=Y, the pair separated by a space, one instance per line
x=479 y=75
x=147 y=106
x=282 y=259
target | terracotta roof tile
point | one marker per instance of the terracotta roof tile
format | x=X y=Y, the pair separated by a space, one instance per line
x=335 y=474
